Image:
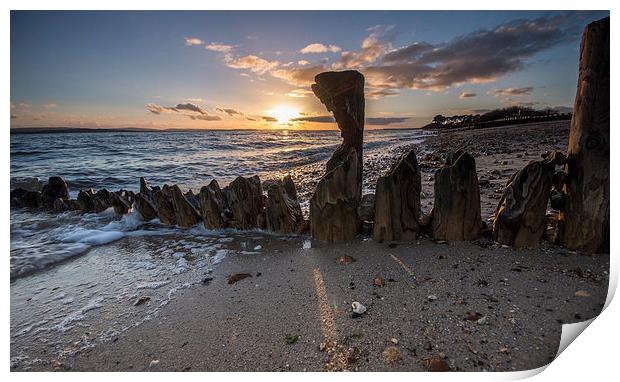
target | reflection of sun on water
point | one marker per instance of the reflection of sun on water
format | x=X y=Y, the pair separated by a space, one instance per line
x=284 y=113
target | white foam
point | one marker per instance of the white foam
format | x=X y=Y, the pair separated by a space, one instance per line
x=70 y=320
x=152 y=284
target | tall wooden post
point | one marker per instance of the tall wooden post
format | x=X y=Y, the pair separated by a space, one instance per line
x=584 y=222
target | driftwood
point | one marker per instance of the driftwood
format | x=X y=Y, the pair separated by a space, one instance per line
x=397 y=202
x=584 y=221
x=456 y=209
x=333 y=206
x=520 y=218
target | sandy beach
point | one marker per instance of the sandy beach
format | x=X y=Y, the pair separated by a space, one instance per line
x=468 y=306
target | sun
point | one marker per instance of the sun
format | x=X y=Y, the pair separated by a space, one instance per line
x=284 y=113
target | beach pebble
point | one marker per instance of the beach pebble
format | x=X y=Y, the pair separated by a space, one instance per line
x=344 y=260
x=358 y=308
x=432 y=297
x=154 y=362
x=378 y=281
x=482 y=320
x=141 y=300
x=392 y=354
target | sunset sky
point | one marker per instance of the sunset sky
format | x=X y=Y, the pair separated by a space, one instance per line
x=206 y=69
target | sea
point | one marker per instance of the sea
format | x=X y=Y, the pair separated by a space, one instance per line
x=68 y=270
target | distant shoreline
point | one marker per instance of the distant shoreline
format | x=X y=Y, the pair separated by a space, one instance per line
x=66 y=130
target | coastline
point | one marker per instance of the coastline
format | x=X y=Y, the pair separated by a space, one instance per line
x=178 y=272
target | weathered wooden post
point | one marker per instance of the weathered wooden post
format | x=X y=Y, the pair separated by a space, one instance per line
x=584 y=221
x=333 y=206
x=456 y=210
x=397 y=202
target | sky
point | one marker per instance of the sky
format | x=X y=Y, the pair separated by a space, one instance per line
x=237 y=69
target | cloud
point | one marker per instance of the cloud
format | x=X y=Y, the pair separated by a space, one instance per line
x=375 y=121
x=195 y=100
x=299 y=76
x=230 y=112
x=50 y=105
x=512 y=91
x=407 y=53
x=189 y=110
x=155 y=109
x=251 y=62
x=299 y=93
x=219 y=47
x=189 y=41
x=268 y=119
x=373 y=93
x=320 y=48
x=383 y=121
x=467 y=95
x=317 y=119
x=480 y=56
x=477 y=57
x=206 y=117
x=378 y=42
x=188 y=107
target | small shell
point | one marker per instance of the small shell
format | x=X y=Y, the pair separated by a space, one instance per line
x=358 y=307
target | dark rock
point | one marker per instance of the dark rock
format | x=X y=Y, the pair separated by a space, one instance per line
x=27 y=184
x=185 y=213
x=163 y=204
x=60 y=205
x=245 y=198
x=282 y=209
x=366 y=208
x=120 y=202
x=145 y=206
x=85 y=201
x=397 y=202
x=145 y=189
x=237 y=277
x=55 y=188
x=89 y=201
x=212 y=206
x=192 y=199
x=31 y=199
x=141 y=300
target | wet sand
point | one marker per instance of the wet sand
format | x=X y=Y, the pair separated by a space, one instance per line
x=476 y=306
x=494 y=309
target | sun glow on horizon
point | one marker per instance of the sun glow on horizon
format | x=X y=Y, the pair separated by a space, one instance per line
x=284 y=113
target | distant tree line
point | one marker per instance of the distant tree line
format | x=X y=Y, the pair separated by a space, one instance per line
x=499 y=117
